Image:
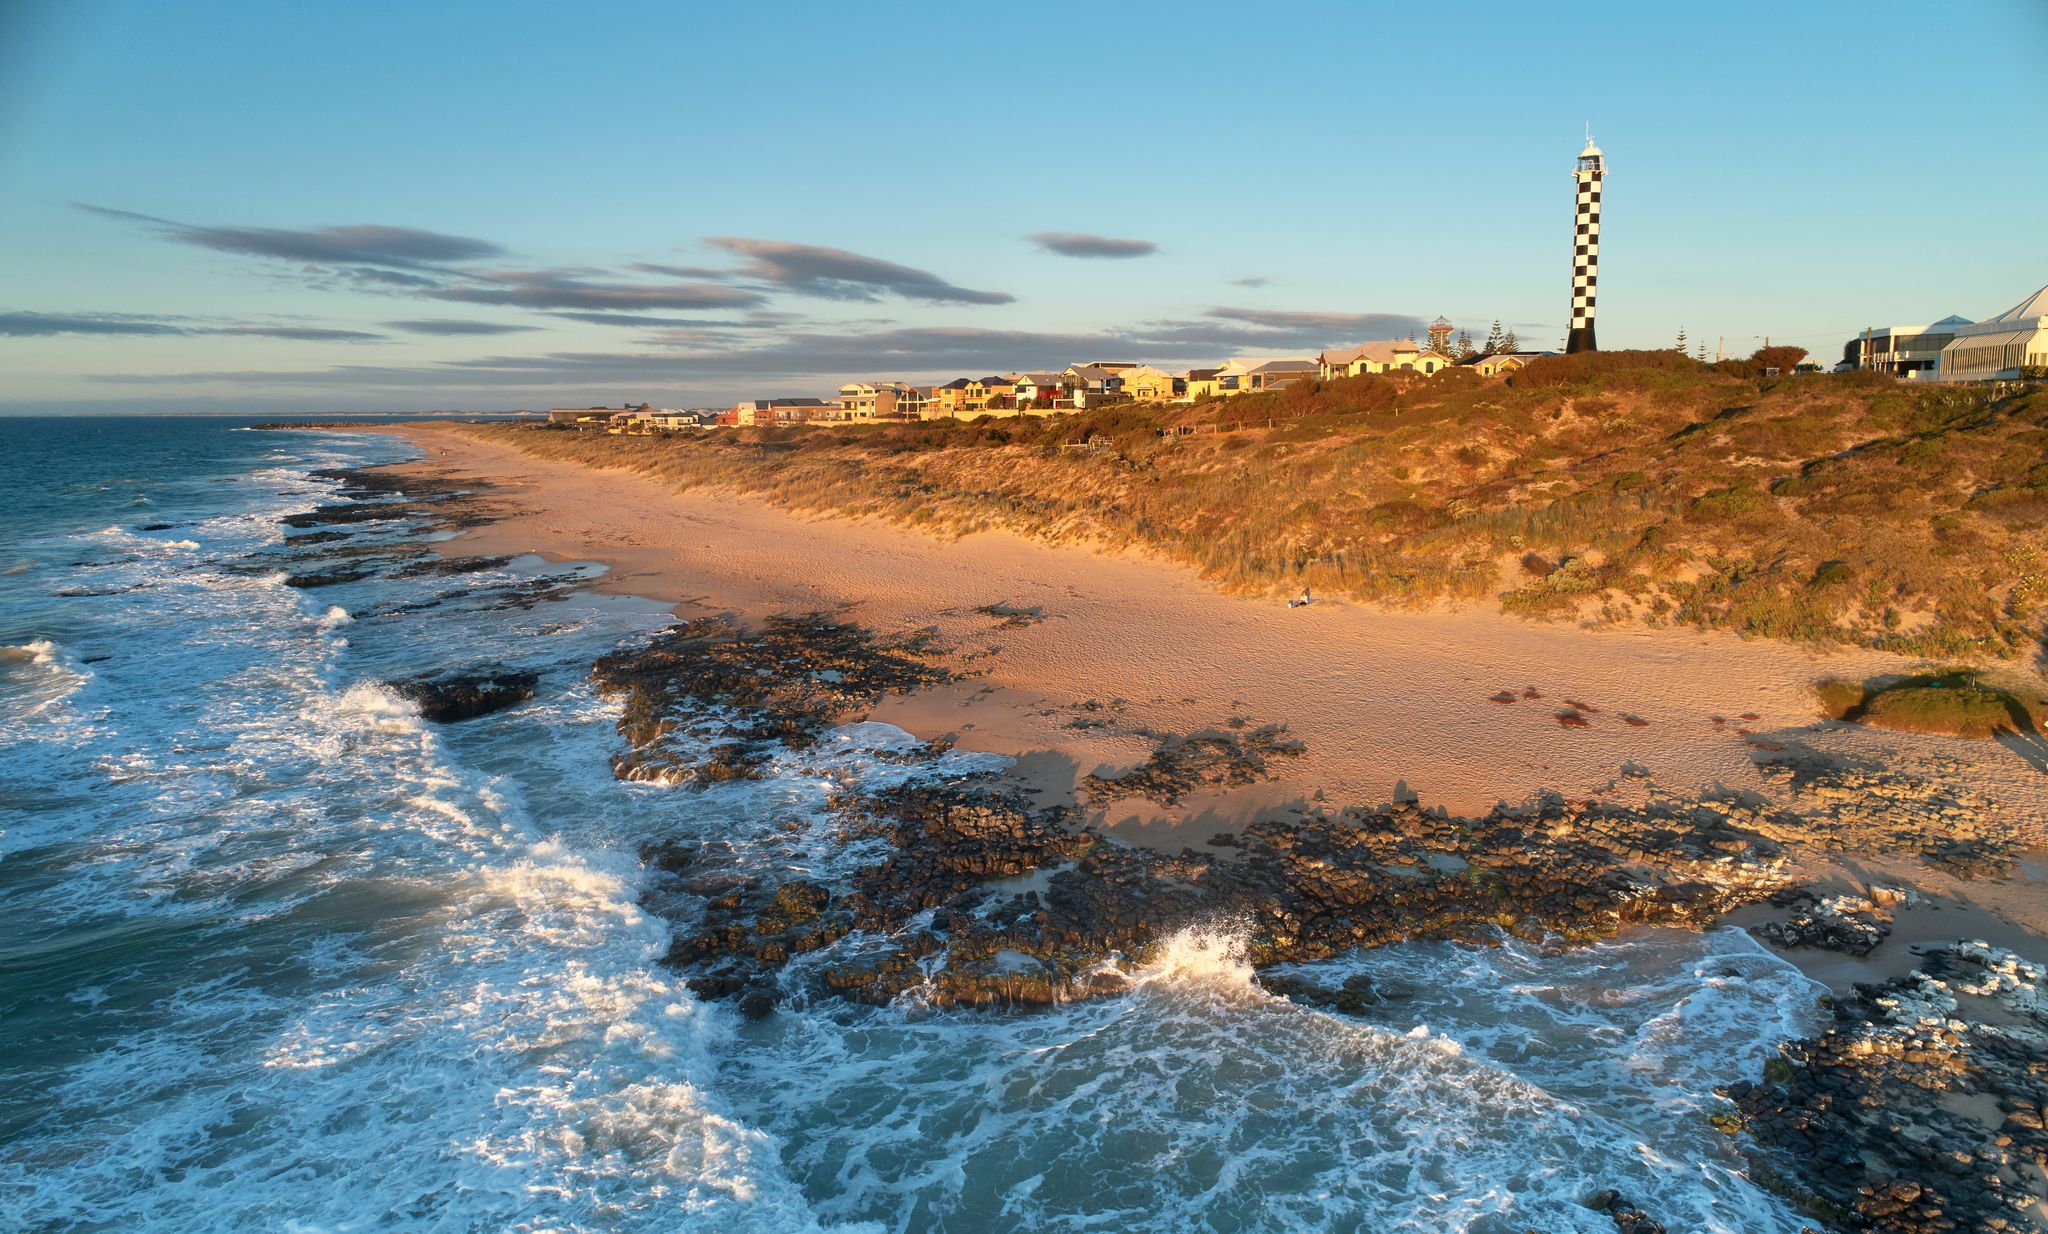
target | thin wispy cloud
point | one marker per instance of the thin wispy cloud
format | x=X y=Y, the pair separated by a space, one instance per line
x=363 y=244
x=679 y=272
x=455 y=327
x=303 y=334
x=836 y=274
x=1081 y=244
x=1335 y=327
x=1255 y=280
x=46 y=325
x=645 y=321
x=553 y=289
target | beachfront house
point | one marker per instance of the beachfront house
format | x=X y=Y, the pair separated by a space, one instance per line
x=581 y=417
x=1200 y=383
x=948 y=400
x=1385 y=356
x=991 y=395
x=767 y=411
x=1501 y=363
x=1147 y=384
x=1248 y=375
x=1090 y=385
x=1039 y=392
x=864 y=401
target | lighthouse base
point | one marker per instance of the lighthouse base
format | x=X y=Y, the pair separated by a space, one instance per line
x=1580 y=339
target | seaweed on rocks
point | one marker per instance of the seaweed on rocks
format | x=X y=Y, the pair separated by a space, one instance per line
x=709 y=700
x=1919 y=1107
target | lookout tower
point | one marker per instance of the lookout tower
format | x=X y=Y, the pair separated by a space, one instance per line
x=1592 y=169
x=1440 y=336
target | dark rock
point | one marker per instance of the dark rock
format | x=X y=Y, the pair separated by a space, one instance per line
x=449 y=566
x=708 y=700
x=1181 y=765
x=464 y=696
x=759 y=1003
x=326 y=578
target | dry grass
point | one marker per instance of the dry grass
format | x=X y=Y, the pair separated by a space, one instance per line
x=1637 y=486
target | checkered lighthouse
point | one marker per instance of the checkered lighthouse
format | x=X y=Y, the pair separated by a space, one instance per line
x=1591 y=171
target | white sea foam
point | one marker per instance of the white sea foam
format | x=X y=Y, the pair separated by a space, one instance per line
x=1198 y=1102
x=40 y=651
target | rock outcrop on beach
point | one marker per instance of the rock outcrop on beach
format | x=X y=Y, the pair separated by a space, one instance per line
x=1919 y=1108
x=709 y=700
x=450 y=697
x=1920 y=806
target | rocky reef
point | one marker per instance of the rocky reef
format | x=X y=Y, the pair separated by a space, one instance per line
x=1910 y=805
x=709 y=700
x=1919 y=1108
x=968 y=890
x=1181 y=765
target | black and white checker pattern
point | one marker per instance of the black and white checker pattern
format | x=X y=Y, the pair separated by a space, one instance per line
x=1585 y=260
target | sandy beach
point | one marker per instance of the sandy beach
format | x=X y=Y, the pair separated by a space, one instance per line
x=1388 y=704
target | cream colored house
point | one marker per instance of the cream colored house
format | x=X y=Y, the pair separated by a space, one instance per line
x=864 y=401
x=1250 y=374
x=1386 y=356
x=1501 y=362
x=1147 y=384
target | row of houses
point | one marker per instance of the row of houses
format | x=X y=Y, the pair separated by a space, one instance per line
x=1077 y=387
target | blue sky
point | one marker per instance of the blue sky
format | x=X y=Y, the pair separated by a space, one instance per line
x=368 y=206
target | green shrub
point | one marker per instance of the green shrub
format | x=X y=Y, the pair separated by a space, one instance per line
x=1839 y=699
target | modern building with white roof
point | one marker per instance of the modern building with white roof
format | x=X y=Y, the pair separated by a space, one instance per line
x=2000 y=347
x=1902 y=351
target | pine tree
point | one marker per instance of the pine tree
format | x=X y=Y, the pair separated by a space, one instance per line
x=1493 y=340
x=1465 y=348
x=1681 y=340
x=1509 y=343
x=1701 y=355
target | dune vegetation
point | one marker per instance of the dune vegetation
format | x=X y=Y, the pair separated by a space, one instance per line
x=1612 y=486
x=1954 y=700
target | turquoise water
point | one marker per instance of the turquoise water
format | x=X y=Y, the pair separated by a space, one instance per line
x=276 y=954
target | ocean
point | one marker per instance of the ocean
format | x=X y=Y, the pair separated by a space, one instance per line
x=278 y=954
